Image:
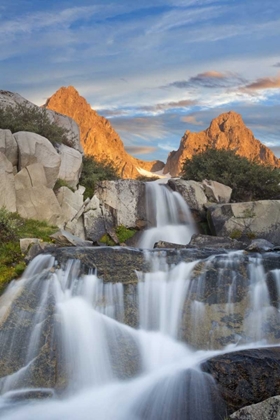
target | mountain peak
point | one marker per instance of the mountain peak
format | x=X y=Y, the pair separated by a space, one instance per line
x=98 y=138
x=227 y=131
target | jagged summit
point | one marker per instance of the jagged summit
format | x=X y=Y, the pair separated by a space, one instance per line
x=227 y=131
x=98 y=138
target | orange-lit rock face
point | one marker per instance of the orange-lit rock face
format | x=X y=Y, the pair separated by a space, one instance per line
x=227 y=131
x=98 y=137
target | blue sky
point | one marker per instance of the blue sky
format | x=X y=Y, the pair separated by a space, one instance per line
x=154 y=68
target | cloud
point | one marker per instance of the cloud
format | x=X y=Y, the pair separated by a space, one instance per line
x=140 y=150
x=276 y=65
x=275 y=150
x=209 y=79
x=166 y=146
x=144 y=128
x=191 y=119
x=184 y=103
x=264 y=83
x=183 y=16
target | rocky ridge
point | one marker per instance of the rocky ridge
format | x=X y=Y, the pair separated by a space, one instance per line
x=227 y=131
x=98 y=138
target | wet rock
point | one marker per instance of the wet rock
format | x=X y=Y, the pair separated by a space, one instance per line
x=260 y=245
x=217 y=242
x=246 y=377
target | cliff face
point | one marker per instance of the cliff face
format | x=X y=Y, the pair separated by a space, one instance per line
x=227 y=131
x=98 y=138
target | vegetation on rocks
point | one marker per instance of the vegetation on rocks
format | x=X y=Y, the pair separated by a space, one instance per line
x=122 y=233
x=145 y=178
x=12 y=229
x=249 y=180
x=94 y=171
x=23 y=117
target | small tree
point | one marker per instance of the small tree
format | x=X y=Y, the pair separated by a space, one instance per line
x=249 y=180
x=25 y=117
x=94 y=171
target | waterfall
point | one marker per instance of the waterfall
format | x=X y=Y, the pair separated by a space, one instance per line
x=68 y=353
x=169 y=217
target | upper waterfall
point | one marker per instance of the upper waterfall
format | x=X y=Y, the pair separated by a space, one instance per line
x=169 y=217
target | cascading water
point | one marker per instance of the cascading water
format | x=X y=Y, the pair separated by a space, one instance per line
x=169 y=217
x=68 y=355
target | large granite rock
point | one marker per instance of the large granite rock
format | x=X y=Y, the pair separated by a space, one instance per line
x=7 y=184
x=246 y=377
x=97 y=219
x=227 y=131
x=216 y=192
x=71 y=165
x=124 y=199
x=34 y=148
x=31 y=176
x=265 y=410
x=39 y=203
x=258 y=219
x=71 y=203
x=8 y=146
x=72 y=133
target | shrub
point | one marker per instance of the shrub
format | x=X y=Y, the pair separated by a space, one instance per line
x=25 y=117
x=249 y=180
x=94 y=171
x=12 y=229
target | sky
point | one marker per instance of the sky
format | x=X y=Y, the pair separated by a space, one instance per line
x=154 y=68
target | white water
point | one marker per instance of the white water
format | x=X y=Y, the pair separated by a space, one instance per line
x=168 y=215
x=95 y=347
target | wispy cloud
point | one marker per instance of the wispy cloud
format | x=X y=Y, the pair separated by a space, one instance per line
x=209 y=79
x=276 y=65
x=264 y=83
x=183 y=16
x=191 y=119
x=140 y=150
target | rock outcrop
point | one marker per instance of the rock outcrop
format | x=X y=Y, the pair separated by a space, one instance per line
x=98 y=137
x=227 y=131
x=34 y=148
x=257 y=219
x=72 y=133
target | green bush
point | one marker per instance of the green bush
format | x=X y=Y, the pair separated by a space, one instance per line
x=25 y=117
x=12 y=229
x=94 y=171
x=249 y=180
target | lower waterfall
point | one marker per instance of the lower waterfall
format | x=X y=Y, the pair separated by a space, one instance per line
x=69 y=355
